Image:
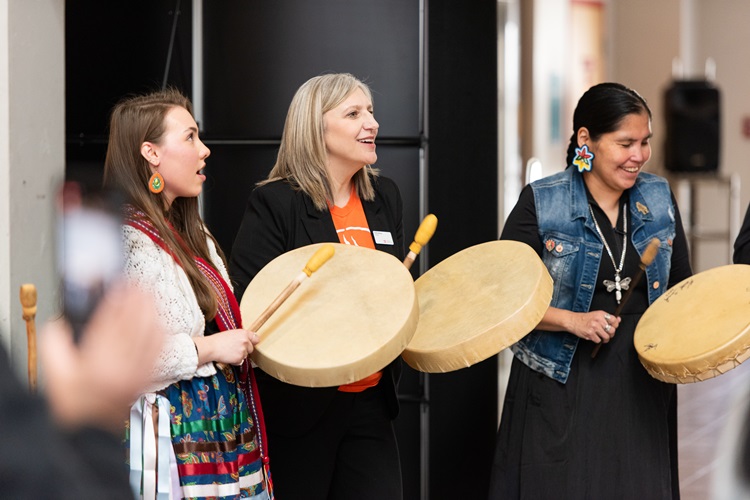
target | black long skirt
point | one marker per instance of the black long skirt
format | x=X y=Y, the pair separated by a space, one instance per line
x=609 y=432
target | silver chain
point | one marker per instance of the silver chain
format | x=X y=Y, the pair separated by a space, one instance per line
x=617 y=285
x=624 y=238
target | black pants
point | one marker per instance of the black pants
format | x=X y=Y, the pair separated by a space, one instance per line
x=350 y=454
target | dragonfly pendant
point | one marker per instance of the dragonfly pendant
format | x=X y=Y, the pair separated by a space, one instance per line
x=618 y=286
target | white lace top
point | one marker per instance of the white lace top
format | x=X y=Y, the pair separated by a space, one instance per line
x=152 y=269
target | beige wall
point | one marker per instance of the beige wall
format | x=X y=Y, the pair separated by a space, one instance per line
x=642 y=40
x=646 y=37
x=32 y=159
x=722 y=33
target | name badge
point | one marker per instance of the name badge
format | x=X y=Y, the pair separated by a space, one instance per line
x=382 y=237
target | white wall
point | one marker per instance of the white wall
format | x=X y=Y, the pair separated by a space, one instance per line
x=4 y=178
x=722 y=33
x=645 y=39
x=32 y=159
x=551 y=128
x=642 y=41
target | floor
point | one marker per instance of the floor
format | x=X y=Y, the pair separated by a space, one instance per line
x=703 y=411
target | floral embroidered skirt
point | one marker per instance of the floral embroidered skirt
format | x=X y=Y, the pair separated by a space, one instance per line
x=214 y=452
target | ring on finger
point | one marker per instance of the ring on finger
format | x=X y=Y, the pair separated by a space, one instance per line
x=607 y=327
x=607 y=317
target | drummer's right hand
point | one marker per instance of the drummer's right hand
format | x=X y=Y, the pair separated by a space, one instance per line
x=230 y=346
x=254 y=338
x=596 y=326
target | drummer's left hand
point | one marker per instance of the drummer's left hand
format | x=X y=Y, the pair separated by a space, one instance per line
x=596 y=326
x=601 y=326
x=228 y=346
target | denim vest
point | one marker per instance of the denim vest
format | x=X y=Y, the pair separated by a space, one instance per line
x=563 y=218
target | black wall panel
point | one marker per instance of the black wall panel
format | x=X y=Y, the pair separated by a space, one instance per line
x=257 y=53
x=113 y=49
x=233 y=170
x=462 y=190
x=231 y=173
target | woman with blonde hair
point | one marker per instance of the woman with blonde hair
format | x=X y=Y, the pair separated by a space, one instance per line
x=333 y=442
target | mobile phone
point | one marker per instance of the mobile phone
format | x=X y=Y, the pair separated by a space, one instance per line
x=89 y=251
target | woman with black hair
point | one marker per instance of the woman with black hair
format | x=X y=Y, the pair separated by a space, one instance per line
x=575 y=425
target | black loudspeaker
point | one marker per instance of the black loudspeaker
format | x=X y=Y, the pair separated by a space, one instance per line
x=692 y=109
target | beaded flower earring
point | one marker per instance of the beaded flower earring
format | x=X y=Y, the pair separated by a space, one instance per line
x=584 y=158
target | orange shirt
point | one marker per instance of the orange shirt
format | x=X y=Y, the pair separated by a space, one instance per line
x=351 y=226
x=351 y=223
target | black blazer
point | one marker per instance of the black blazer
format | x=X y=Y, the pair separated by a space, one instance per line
x=279 y=219
x=742 y=244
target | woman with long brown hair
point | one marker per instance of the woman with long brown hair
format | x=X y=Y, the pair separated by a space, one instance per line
x=198 y=432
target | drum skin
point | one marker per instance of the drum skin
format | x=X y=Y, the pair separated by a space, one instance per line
x=349 y=319
x=699 y=328
x=476 y=303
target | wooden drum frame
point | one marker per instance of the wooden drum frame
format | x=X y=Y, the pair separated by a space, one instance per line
x=350 y=319
x=699 y=328
x=476 y=303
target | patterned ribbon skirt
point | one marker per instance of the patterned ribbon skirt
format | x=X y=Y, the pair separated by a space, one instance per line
x=214 y=450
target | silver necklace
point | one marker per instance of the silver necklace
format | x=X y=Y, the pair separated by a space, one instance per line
x=618 y=285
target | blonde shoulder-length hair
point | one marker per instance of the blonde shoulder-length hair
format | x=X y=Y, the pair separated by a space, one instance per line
x=302 y=158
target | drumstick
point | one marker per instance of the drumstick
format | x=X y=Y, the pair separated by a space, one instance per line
x=28 y=303
x=423 y=235
x=648 y=257
x=319 y=258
